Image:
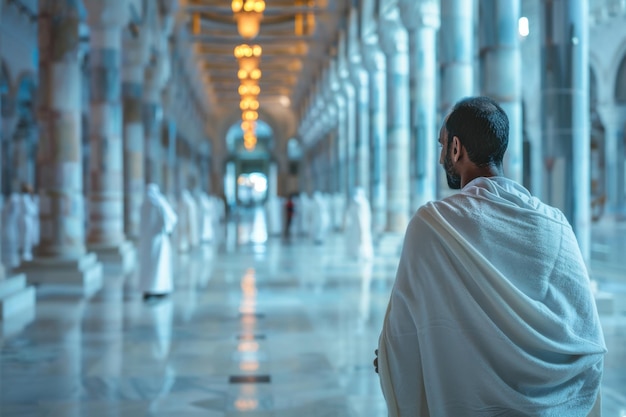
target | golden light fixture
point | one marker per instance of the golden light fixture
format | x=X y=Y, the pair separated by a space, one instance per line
x=248 y=125
x=248 y=56
x=196 y=24
x=248 y=14
x=253 y=74
x=249 y=103
x=249 y=115
x=249 y=87
x=245 y=50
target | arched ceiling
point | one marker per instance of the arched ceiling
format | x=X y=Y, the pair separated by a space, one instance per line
x=296 y=36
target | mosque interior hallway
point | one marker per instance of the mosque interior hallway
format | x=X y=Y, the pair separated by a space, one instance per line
x=258 y=326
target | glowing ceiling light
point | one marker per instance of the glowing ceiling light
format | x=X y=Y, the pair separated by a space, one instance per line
x=246 y=125
x=250 y=115
x=248 y=14
x=249 y=87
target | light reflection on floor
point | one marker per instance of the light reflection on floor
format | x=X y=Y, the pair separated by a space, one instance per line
x=259 y=327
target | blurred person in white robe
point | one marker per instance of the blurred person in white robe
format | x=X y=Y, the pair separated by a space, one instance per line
x=274 y=211
x=358 y=229
x=27 y=223
x=320 y=218
x=492 y=311
x=219 y=218
x=36 y=228
x=157 y=222
x=180 y=237
x=305 y=215
x=193 y=229
x=206 y=214
x=11 y=235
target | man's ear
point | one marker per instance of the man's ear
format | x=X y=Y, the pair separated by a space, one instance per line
x=456 y=148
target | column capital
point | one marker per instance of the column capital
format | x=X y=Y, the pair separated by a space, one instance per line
x=157 y=73
x=607 y=113
x=373 y=56
x=136 y=47
x=109 y=13
x=420 y=14
x=393 y=35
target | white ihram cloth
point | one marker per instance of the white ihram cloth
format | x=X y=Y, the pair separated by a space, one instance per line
x=193 y=230
x=320 y=217
x=491 y=313
x=27 y=224
x=358 y=230
x=206 y=210
x=155 y=250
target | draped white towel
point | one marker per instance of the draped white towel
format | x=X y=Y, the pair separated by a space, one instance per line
x=491 y=313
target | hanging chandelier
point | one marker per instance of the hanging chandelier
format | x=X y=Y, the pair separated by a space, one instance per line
x=248 y=14
x=248 y=56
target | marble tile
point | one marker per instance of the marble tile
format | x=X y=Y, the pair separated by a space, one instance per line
x=302 y=314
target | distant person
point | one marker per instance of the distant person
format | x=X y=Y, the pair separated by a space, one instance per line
x=27 y=222
x=155 y=249
x=491 y=312
x=358 y=229
x=290 y=211
x=319 y=217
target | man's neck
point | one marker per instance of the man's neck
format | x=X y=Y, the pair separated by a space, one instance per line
x=476 y=171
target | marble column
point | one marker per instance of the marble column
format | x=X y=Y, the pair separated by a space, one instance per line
x=106 y=180
x=341 y=105
x=169 y=157
x=360 y=80
x=135 y=56
x=501 y=73
x=395 y=45
x=350 y=129
x=153 y=117
x=24 y=162
x=362 y=159
x=456 y=62
x=375 y=63
x=61 y=257
x=1 y=138
x=565 y=104
x=422 y=21
x=613 y=160
x=272 y=178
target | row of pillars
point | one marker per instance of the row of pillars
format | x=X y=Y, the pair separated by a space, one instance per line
x=373 y=119
x=130 y=142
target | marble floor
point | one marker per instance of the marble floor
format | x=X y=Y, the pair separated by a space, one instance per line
x=256 y=327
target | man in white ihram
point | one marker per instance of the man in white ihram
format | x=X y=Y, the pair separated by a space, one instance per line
x=359 y=227
x=155 y=249
x=491 y=313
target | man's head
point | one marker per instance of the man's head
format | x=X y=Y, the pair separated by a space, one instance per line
x=474 y=137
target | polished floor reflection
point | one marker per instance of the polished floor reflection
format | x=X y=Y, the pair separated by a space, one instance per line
x=257 y=327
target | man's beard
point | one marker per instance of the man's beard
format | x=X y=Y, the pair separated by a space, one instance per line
x=453 y=178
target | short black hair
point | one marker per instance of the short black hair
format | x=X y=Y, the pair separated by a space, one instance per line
x=482 y=127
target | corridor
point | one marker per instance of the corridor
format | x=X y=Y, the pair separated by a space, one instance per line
x=257 y=327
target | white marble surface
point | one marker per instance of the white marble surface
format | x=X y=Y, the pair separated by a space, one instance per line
x=299 y=313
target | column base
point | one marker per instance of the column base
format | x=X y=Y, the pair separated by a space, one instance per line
x=17 y=304
x=389 y=243
x=117 y=260
x=82 y=275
